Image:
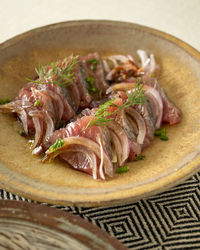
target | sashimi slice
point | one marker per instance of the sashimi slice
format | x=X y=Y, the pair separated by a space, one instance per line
x=92 y=67
x=171 y=113
x=85 y=146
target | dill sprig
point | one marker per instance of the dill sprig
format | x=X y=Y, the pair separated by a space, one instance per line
x=102 y=117
x=60 y=73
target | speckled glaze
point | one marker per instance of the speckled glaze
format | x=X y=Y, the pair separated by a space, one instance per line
x=30 y=226
x=166 y=164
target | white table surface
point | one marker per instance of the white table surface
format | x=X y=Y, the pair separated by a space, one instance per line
x=180 y=18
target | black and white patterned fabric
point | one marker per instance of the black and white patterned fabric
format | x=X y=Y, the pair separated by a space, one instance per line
x=167 y=221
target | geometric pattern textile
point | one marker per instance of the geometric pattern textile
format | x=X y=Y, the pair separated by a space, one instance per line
x=167 y=221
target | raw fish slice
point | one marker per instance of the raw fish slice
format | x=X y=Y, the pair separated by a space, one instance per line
x=91 y=66
x=79 y=81
x=171 y=113
x=87 y=147
x=121 y=118
x=77 y=129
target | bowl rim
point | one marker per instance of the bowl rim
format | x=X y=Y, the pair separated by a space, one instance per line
x=182 y=44
x=54 y=219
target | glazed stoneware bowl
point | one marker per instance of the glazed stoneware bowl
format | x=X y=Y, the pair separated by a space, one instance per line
x=167 y=163
x=29 y=226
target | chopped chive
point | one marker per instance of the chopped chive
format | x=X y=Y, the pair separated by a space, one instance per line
x=93 y=67
x=157 y=132
x=162 y=134
x=164 y=138
x=122 y=169
x=4 y=100
x=152 y=75
x=92 y=61
x=58 y=144
x=92 y=90
x=36 y=103
x=90 y=80
x=140 y=157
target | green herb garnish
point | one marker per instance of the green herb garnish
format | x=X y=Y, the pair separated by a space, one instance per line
x=36 y=103
x=91 y=89
x=152 y=75
x=122 y=169
x=140 y=157
x=162 y=134
x=101 y=116
x=93 y=61
x=164 y=138
x=93 y=67
x=58 y=144
x=157 y=132
x=60 y=73
x=4 y=100
x=90 y=80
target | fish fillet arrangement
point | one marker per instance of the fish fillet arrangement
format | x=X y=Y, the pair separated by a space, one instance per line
x=94 y=113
